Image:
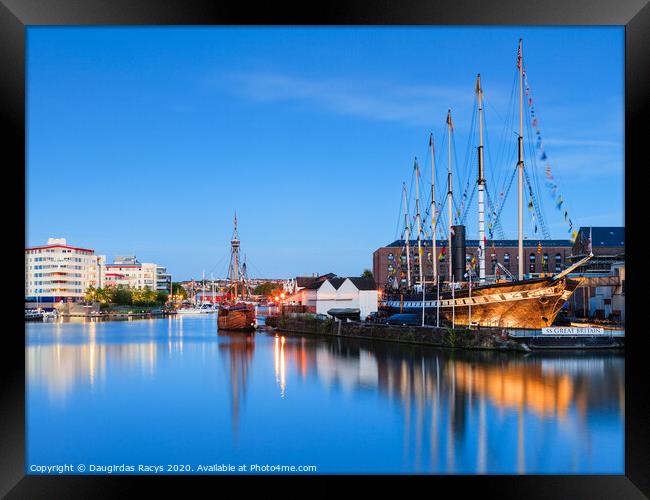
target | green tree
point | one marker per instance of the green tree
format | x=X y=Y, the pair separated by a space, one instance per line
x=367 y=273
x=122 y=296
x=162 y=296
x=91 y=294
x=104 y=295
x=177 y=289
x=266 y=288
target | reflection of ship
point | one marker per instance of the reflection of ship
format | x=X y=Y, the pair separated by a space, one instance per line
x=240 y=353
x=234 y=315
x=448 y=399
x=519 y=303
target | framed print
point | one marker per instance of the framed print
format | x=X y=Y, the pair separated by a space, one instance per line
x=367 y=242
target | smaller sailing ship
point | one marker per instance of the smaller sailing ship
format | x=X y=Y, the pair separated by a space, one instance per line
x=235 y=313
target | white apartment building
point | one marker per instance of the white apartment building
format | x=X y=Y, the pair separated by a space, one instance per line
x=127 y=271
x=58 y=272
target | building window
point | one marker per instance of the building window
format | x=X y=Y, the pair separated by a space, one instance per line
x=391 y=256
x=558 y=258
x=532 y=258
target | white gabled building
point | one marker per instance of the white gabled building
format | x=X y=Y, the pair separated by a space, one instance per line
x=347 y=293
x=58 y=272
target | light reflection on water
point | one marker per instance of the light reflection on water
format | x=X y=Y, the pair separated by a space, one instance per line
x=175 y=390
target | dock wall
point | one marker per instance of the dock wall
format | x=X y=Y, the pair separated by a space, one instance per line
x=488 y=339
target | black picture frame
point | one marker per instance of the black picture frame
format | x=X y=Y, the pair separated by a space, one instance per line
x=16 y=15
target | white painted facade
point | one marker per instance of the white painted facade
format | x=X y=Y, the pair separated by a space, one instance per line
x=305 y=297
x=128 y=272
x=57 y=271
x=346 y=296
x=326 y=298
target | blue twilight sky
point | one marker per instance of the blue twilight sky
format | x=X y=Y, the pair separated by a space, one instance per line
x=146 y=140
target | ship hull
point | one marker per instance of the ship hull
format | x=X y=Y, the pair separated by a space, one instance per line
x=236 y=318
x=525 y=304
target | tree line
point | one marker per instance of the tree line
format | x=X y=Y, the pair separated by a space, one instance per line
x=126 y=296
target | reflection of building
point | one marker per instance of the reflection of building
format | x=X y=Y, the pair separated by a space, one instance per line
x=448 y=398
x=60 y=367
x=518 y=385
x=346 y=371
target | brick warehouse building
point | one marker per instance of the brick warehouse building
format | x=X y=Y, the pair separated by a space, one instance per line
x=551 y=258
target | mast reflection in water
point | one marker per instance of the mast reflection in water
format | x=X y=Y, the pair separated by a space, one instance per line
x=173 y=391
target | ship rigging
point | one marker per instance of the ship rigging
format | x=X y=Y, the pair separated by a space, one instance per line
x=523 y=301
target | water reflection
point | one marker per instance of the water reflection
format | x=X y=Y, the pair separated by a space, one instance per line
x=239 y=347
x=429 y=410
x=454 y=391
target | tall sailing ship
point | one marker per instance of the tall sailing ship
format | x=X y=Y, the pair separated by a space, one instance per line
x=519 y=303
x=234 y=313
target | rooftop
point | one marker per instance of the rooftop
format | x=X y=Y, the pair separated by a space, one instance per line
x=602 y=236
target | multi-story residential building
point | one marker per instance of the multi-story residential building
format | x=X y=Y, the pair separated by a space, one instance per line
x=58 y=272
x=163 y=279
x=127 y=271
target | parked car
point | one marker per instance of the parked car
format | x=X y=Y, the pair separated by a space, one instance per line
x=377 y=316
x=372 y=317
x=404 y=319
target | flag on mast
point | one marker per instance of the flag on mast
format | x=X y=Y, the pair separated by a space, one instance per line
x=519 y=55
x=449 y=122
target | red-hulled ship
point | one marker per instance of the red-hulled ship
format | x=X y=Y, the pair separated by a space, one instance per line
x=235 y=313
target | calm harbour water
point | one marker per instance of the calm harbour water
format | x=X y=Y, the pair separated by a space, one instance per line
x=176 y=391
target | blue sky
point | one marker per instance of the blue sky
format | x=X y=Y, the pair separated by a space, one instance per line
x=146 y=140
